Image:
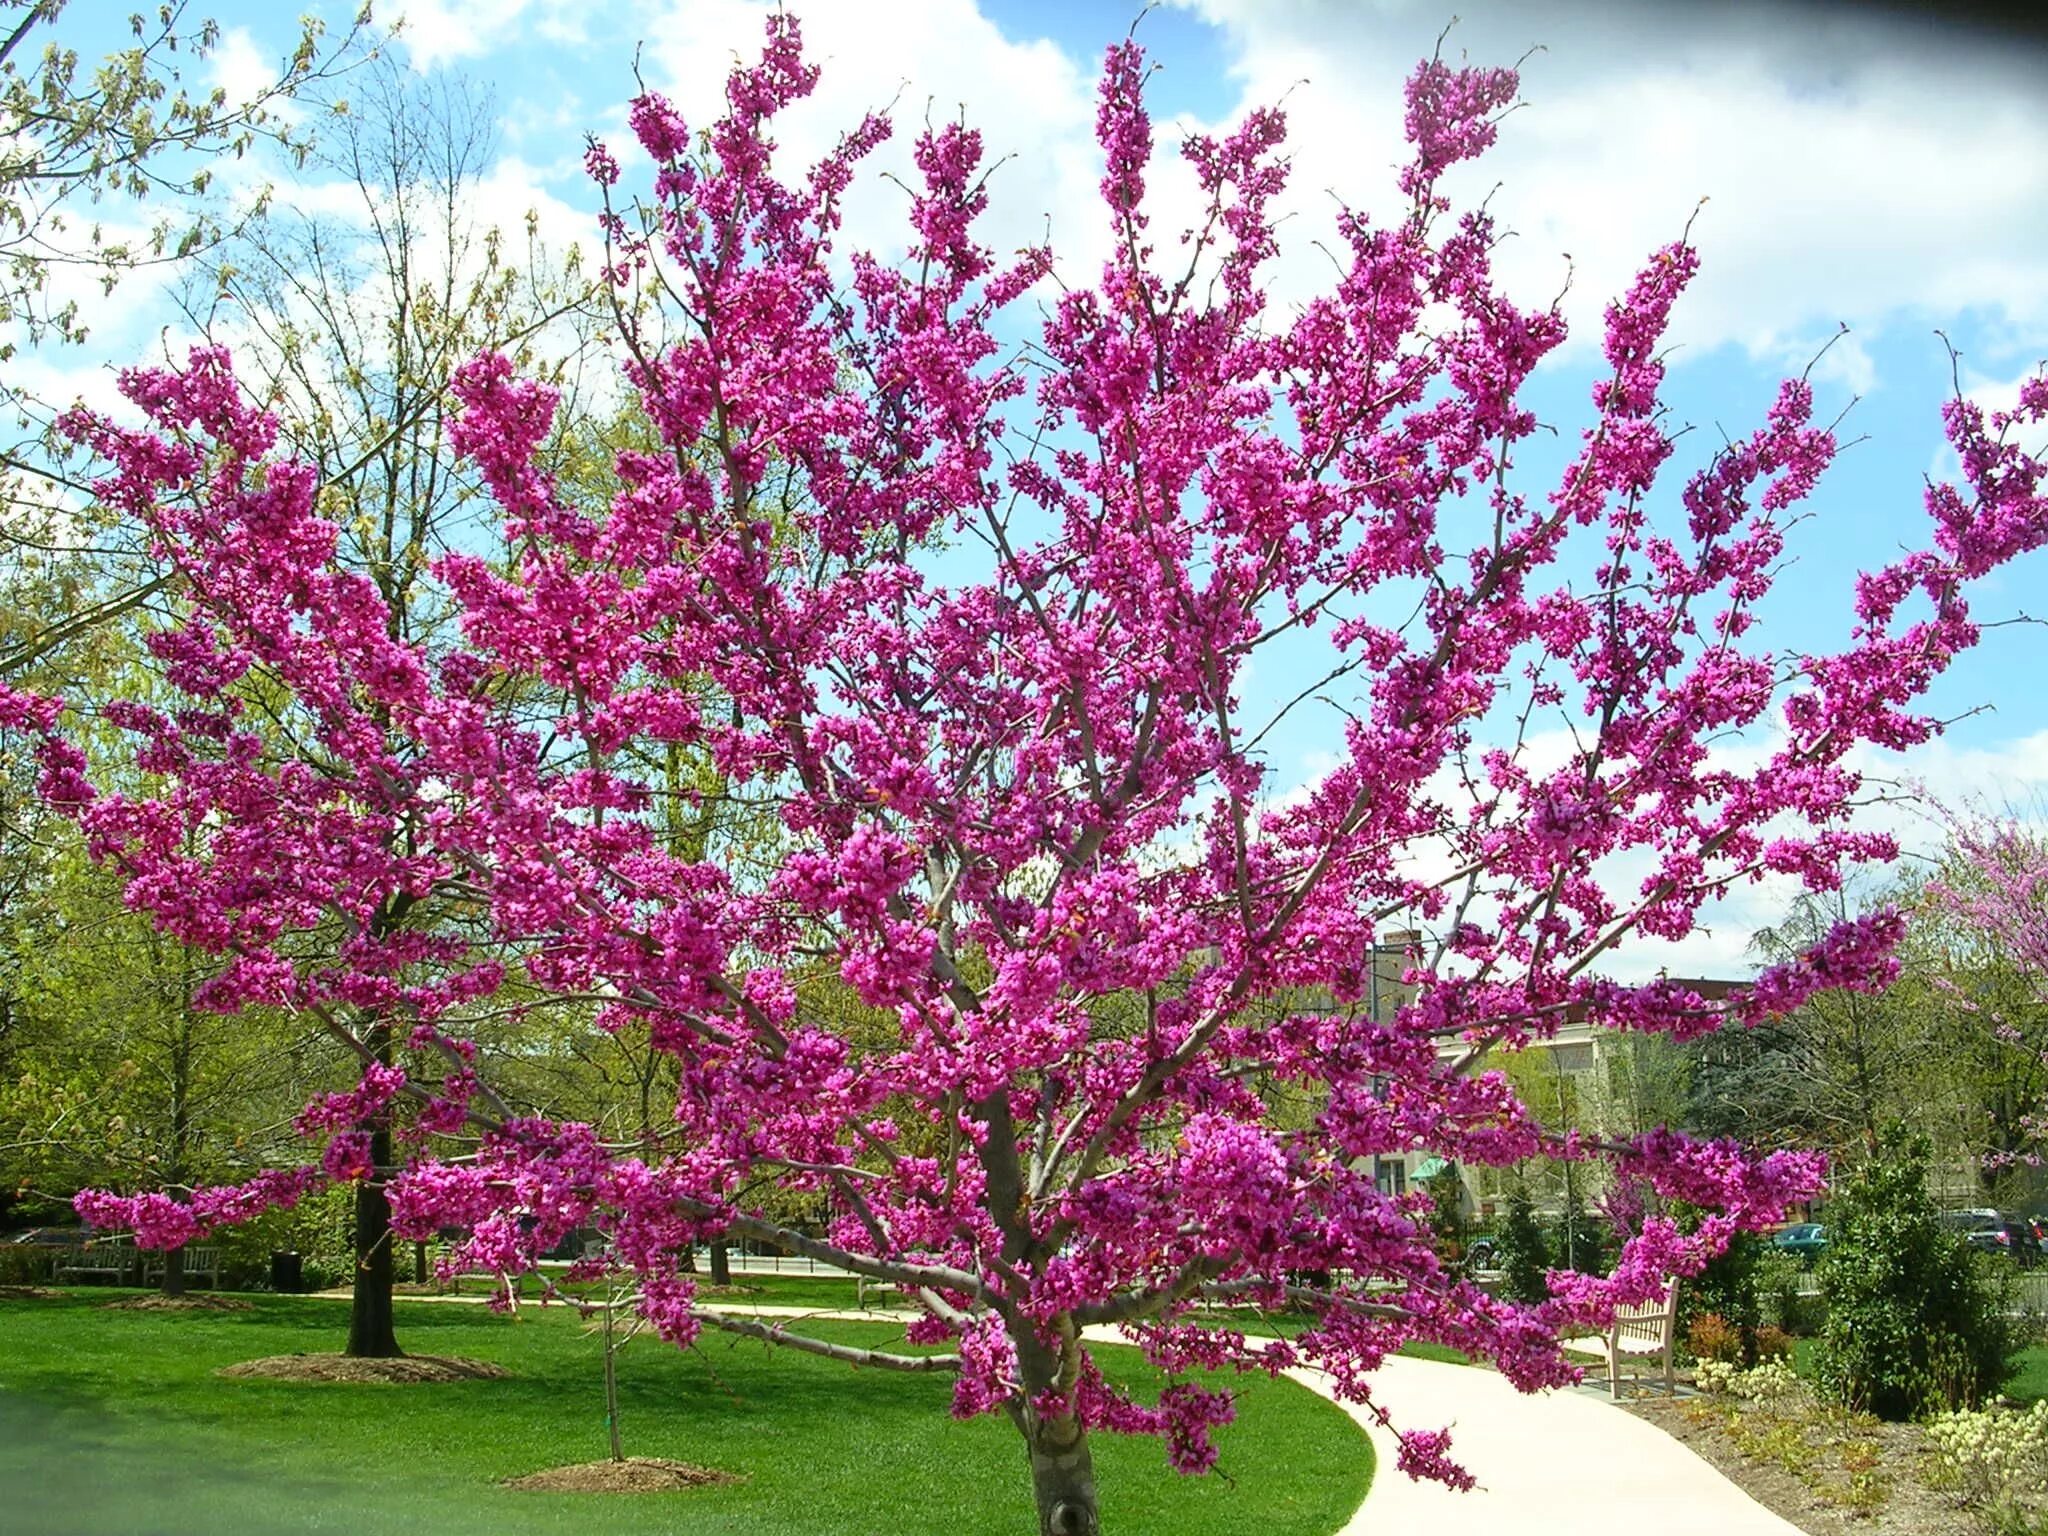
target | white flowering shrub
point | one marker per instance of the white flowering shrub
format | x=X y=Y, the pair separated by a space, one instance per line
x=1716 y=1377
x=1762 y=1383
x=1993 y=1457
x=1766 y=1382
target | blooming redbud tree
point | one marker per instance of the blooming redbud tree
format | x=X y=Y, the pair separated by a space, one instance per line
x=1021 y=808
x=1994 y=883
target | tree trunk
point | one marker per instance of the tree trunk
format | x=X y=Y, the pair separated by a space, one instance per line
x=370 y=1334
x=1063 y=1479
x=419 y=1263
x=721 y=1265
x=611 y=1388
x=174 y=1272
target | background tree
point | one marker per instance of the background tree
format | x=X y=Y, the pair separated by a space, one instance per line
x=1524 y=1255
x=1983 y=928
x=1834 y=1071
x=352 y=325
x=91 y=140
x=1915 y=1324
x=1008 y=797
x=121 y=1079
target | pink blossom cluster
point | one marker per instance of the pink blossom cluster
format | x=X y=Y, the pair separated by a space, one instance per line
x=160 y=1220
x=1020 y=970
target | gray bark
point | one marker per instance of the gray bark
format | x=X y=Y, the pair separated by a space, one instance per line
x=1063 y=1479
x=611 y=1388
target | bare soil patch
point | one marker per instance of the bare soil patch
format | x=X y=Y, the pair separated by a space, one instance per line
x=28 y=1293
x=406 y=1370
x=178 y=1304
x=636 y=1474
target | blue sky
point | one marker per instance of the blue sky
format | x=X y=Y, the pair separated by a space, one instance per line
x=1886 y=174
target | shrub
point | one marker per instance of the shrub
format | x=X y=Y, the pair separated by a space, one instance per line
x=1780 y=1301
x=1712 y=1337
x=1773 y=1344
x=1914 y=1323
x=1581 y=1236
x=1761 y=1383
x=1730 y=1287
x=25 y=1263
x=1523 y=1255
x=1446 y=1191
x=1993 y=1458
x=1716 y=1377
x=1766 y=1382
x=322 y=1223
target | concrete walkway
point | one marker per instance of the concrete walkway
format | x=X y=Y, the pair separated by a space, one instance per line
x=1555 y=1464
x=1548 y=1465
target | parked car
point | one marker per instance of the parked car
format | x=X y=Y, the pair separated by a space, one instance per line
x=2039 y=1226
x=46 y=1237
x=1804 y=1241
x=1992 y=1231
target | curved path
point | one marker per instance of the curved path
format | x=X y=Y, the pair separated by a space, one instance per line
x=1553 y=1464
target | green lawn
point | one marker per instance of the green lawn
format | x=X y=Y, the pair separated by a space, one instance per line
x=824 y=1292
x=114 y=1423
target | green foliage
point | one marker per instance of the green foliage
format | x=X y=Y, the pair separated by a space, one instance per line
x=1773 y=1344
x=126 y=127
x=1729 y=1288
x=319 y=1229
x=1915 y=1322
x=1523 y=1254
x=1780 y=1302
x=1581 y=1235
x=1446 y=1191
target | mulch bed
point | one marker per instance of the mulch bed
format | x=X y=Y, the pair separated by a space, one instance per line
x=636 y=1474
x=1908 y=1508
x=178 y=1304
x=28 y=1293
x=406 y=1370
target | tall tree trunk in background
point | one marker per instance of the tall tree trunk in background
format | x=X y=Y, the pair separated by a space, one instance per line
x=721 y=1264
x=370 y=1333
x=176 y=1169
x=174 y=1272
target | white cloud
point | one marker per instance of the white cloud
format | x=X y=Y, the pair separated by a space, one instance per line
x=437 y=32
x=936 y=58
x=1854 y=170
x=240 y=68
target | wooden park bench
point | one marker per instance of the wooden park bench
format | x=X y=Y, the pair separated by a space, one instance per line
x=1646 y=1329
x=886 y=1294
x=112 y=1261
x=117 y=1262
x=198 y=1262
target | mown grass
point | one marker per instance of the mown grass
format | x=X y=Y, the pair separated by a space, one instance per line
x=114 y=1422
x=823 y=1291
